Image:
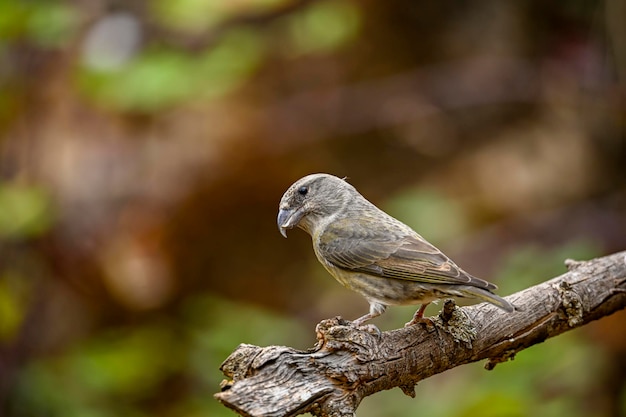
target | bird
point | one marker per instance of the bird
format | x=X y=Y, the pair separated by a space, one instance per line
x=372 y=253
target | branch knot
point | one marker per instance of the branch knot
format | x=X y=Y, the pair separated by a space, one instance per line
x=571 y=302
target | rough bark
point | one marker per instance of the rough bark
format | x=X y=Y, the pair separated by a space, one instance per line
x=349 y=363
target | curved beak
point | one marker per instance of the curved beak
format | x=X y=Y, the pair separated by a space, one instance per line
x=287 y=219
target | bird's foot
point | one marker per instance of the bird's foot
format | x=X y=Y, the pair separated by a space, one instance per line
x=420 y=320
x=418 y=317
x=375 y=311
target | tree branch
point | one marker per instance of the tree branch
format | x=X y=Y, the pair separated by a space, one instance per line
x=349 y=363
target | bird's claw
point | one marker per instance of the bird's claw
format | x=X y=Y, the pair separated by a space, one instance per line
x=420 y=320
x=369 y=328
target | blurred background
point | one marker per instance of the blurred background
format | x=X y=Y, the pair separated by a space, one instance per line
x=144 y=146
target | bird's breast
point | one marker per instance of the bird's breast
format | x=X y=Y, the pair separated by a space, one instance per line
x=387 y=291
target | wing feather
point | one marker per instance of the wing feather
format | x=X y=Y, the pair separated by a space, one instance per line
x=390 y=251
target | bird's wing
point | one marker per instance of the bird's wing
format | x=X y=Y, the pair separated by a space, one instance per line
x=390 y=253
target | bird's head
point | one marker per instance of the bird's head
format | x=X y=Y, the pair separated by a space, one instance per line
x=311 y=200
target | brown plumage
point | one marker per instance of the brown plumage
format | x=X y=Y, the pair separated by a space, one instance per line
x=372 y=253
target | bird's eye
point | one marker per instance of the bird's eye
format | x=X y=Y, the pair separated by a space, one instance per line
x=303 y=190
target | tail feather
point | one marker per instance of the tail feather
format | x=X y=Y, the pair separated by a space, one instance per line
x=489 y=297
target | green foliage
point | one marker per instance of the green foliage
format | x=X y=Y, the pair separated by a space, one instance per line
x=324 y=26
x=49 y=24
x=217 y=326
x=25 y=211
x=230 y=63
x=52 y=24
x=112 y=372
x=103 y=376
x=200 y=15
x=160 y=78
x=14 y=297
x=436 y=217
x=529 y=265
x=126 y=362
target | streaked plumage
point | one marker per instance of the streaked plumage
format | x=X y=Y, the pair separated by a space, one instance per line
x=372 y=253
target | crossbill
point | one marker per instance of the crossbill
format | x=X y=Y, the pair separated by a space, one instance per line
x=372 y=253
